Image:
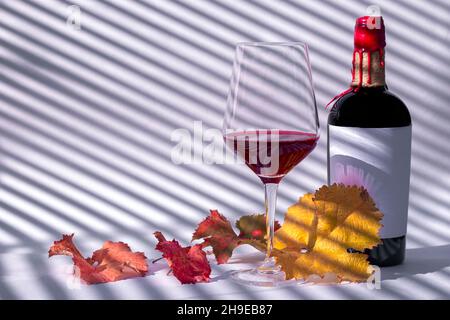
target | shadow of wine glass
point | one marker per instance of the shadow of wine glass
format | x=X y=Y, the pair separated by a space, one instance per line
x=419 y=261
x=249 y=258
x=223 y=276
x=242 y=262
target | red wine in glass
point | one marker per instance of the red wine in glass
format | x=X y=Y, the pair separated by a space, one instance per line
x=271 y=154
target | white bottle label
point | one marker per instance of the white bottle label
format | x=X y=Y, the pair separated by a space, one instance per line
x=378 y=159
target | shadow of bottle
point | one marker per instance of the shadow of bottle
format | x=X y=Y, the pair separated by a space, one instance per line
x=419 y=261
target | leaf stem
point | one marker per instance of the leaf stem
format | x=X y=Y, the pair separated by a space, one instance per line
x=156 y=260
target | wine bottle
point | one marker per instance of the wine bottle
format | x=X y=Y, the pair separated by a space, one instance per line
x=369 y=140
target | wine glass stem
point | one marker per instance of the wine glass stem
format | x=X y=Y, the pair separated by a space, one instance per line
x=270 y=204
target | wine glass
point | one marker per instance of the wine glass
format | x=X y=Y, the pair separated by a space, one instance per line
x=271 y=123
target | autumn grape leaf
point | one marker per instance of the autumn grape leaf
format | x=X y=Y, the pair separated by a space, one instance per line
x=114 y=261
x=189 y=264
x=217 y=232
x=253 y=226
x=319 y=230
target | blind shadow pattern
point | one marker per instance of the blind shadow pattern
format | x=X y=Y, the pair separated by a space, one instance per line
x=86 y=118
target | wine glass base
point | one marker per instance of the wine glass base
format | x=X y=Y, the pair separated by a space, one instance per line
x=256 y=277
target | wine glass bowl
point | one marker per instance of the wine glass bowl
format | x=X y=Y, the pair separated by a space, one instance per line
x=271 y=122
x=271 y=154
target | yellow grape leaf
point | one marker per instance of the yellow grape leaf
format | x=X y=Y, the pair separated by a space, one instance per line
x=320 y=228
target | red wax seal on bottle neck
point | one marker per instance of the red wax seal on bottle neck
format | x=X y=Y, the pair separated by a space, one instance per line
x=369 y=33
x=369 y=38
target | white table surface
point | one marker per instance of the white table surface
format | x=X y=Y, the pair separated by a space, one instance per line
x=31 y=275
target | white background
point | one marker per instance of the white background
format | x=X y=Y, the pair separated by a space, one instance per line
x=86 y=118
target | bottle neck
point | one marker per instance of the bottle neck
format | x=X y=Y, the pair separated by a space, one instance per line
x=368 y=68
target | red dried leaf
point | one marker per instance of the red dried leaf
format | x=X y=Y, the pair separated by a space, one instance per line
x=223 y=246
x=217 y=232
x=189 y=264
x=113 y=262
x=64 y=247
x=214 y=224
